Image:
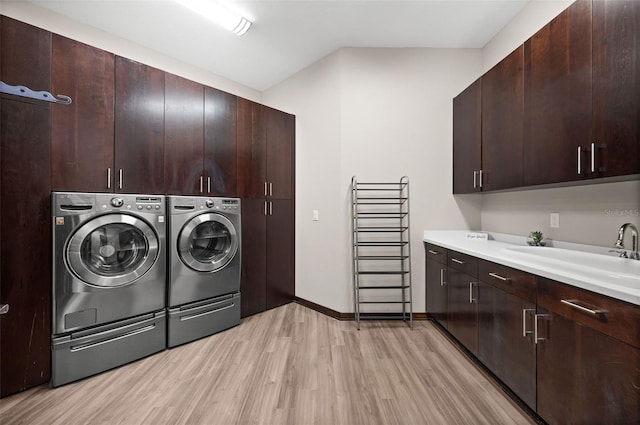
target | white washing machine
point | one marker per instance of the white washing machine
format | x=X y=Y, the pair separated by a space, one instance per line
x=204 y=266
x=109 y=281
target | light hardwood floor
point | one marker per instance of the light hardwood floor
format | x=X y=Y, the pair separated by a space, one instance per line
x=290 y=365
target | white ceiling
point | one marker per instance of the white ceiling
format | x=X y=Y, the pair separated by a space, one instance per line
x=287 y=36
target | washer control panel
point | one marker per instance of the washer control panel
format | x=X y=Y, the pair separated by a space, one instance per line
x=140 y=203
x=228 y=205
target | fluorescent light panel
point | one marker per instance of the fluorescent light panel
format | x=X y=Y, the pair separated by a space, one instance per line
x=218 y=14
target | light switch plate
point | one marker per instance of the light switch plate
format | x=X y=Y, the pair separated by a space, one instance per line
x=315 y=215
x=554 y=220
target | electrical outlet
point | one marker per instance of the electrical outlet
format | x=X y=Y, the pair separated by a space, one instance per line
x=554 y=220
x=315 y=215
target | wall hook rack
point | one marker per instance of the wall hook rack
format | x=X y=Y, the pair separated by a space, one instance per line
x=38 y=95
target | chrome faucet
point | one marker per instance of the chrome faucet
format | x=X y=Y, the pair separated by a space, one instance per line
x=634 y=241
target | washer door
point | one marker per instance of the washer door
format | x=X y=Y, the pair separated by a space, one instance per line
x=208 y=242
x=112 y=250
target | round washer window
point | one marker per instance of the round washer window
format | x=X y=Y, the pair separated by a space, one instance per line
x=208 y=242
x=112 y=250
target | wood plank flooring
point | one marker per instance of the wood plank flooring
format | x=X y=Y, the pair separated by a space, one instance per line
x=290 y=365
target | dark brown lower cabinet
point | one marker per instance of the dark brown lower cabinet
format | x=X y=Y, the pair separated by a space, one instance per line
x=267 y=254
x=280 y=253
x=572 y=355
x=585 y=376
x=25 y=226
x=462 y=315
x=437 y=297
x=505 y=340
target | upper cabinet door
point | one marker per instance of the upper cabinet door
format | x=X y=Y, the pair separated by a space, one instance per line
x=616 y=88
x=139 y=128
x=467 y=133
x=252 y=145
x=220 y=148
x=502 y=110
x=184 y=136
x=557 y=135
x=82 y=133
x=23 y=61
x=280 y=153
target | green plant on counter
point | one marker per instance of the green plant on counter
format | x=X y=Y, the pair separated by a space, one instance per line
x=536 y=238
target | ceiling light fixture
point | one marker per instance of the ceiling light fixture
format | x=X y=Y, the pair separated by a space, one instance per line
x=219 y=14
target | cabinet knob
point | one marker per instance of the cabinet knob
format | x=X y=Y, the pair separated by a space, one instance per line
x=4 y=308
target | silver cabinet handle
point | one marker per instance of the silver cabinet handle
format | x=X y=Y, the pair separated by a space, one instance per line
x=475 y=179
x=471 y=299
x=525 y=332
x=201 y=183
x=537 y=338
x=595 y=146
x=574 y=304
x=579 y=153
x=431 y=251
x=121 y=178
x=265 y=189
x=442 y=282
x=4 y=308
x=265 y=208
x=580 y=150
x=209 y=184
x=270 y=208
x=455 y=260
x=497 y=276
x=480 y=174
x=109 y=178
x=270 y=189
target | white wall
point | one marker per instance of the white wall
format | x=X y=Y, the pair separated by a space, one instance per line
x=58 y=24
x=588 y=214
x=378 y=114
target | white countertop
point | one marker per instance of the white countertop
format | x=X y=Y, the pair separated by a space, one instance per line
x=573 y=273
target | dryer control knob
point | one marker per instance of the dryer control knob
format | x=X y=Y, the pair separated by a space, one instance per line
x=209 y=203
x=117 y=202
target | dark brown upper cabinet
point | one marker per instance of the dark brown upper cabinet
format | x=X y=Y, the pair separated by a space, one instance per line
x=252 y=150
x=502 y=115
x=184 y=136
x=467 y=139
x=266 y=140
x=578 y=105
x=139 y=128
x=557 y=136
x=25 y=58
x=280 y=152
x=616 y=84
x=82 y=133
x=220 y=148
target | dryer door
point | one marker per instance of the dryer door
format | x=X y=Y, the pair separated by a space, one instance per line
x=208 y=242
x=112 y=250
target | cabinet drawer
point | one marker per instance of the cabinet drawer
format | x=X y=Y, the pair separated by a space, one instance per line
x=463 y=262
x=436 y=253
x=515 y=282
x=618 y=319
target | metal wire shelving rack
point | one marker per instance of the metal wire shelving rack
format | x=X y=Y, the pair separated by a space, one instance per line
x=381 y=250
